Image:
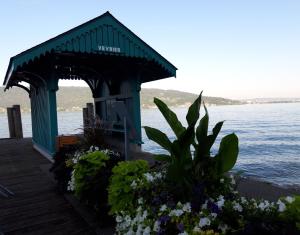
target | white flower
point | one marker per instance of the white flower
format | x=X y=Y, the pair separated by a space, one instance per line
x=281 y=206
x=223 y=228
x=214 y=215
x=237 y=207
x=149 y=177
x=145 y=214
x=140 y=201
x=139 y=229
x=176 y=212
x=187 y=207
x=243 y=200
x=133 y=184
x=158 y=175
x=91 y=149
x=204 y=221
x=290 y=199
x=221 y=201
x=147 y=231
x=71 y=184
x=96 y=148
x=204 y=206
x=130 y=232
x=119 y=219
x=184 y=233
x=222 y=180
x=262 y=206
x=127 y=219
x=156 y=226
x=163 y=208
x=179 y=204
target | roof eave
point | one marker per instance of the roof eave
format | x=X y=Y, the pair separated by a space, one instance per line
x=9 y=72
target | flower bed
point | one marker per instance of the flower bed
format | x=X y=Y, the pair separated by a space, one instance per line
x=152 y=209
x=188 y=192
x=194 y=193
x=86 y=175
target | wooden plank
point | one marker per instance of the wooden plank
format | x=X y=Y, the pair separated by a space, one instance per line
x=35 y=208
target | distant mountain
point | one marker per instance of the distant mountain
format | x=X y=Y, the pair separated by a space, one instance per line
x=179 y=98
x=74 y=98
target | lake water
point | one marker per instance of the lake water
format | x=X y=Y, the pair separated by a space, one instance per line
x=269 y=136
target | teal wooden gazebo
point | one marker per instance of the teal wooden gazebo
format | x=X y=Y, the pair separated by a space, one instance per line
x=110 y=58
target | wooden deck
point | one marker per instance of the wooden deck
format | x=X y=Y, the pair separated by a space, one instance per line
x=35 y=207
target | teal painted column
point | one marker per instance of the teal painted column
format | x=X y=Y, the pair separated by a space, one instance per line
x=135 y=91
x=52 y=88
x=44 y=116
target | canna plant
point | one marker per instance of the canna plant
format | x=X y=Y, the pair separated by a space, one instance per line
x=189 y=159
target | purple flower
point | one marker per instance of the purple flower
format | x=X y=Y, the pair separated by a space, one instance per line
x=213 y=207
x=161 y=232
x=180 y=227
x=156 y=201
x=164 y=219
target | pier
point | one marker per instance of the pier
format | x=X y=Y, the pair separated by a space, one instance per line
x=34 y=206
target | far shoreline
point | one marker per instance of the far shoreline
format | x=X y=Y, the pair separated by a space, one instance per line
x=79 y=109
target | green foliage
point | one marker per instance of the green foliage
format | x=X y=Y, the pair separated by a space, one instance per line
x=292 y=212
x=184 y=165
x=170 y=117
x=228 y=151
x=120 y=192
x=86 y=169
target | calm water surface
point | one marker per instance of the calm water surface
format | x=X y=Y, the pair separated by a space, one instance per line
x=269 y=136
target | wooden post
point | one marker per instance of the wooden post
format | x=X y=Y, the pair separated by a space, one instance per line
x=85 y=119
x=11 y=125
x=17 y=121
x=90 y=113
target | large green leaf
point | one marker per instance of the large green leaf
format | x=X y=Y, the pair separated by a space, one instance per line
x=228 y=153
x=205 y=143
x=158 y=137
x=182 y=146
x=170 y=117
x=215 y=132
x=193 y=112
x=202 y=129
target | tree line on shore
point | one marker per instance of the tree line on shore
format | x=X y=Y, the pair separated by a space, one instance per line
x=75 y=98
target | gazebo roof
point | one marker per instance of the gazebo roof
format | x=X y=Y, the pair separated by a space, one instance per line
x=102 y=36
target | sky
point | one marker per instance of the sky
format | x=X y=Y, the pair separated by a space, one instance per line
x=231 y=49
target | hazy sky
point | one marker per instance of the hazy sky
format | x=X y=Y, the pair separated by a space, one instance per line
x=233 y=49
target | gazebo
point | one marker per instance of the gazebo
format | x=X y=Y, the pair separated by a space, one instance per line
x=110 y=58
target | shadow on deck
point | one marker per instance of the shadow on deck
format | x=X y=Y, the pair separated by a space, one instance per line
x=35 y=207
